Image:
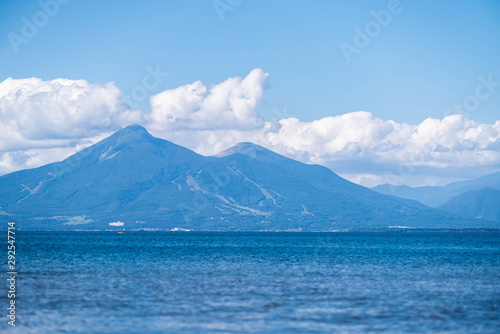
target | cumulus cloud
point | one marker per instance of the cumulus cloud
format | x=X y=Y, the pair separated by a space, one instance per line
x=228 y=105
x=37 y=113
x=360 y=143
x=45 y=121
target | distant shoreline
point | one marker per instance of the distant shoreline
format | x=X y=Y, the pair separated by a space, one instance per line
x=362 y=230
x=430 y=230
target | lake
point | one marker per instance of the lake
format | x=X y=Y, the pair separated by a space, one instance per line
x=204 y=282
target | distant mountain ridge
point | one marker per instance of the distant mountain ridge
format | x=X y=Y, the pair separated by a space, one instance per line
x=437 y=196
x=483 y=204
x=150 y=183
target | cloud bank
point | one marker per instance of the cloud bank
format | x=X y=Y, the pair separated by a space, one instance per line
x=45 y=121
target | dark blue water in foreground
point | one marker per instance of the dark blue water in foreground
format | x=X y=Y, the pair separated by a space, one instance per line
x=158 y=282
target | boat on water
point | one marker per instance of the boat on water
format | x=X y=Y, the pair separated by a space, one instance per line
x=121 y=232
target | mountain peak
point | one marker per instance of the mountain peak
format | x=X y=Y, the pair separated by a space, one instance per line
x=132 y=133
x=133 y=128
x=252 y=150
x=246 y=148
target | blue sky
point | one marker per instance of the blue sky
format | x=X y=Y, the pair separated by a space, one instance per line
x=282 y=74
x=428 y=58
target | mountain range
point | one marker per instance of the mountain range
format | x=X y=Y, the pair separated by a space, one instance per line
x=478 y=198
x=437 y=196
x=150 y=183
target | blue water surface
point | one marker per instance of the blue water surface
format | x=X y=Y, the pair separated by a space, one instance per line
x=190 y=282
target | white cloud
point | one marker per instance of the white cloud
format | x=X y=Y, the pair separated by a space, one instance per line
x=45 y=121
x=36 y=113
x=228 y=105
